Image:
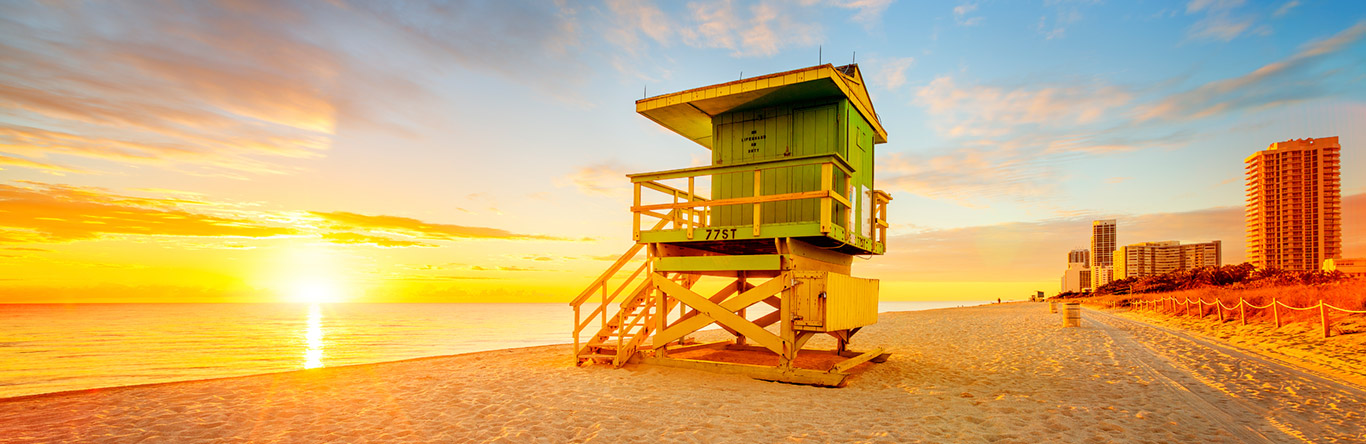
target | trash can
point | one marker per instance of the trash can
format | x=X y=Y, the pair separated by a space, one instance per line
x=1052 y=306
x=1072 y=315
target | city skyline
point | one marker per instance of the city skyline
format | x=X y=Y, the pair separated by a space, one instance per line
x=268 y=151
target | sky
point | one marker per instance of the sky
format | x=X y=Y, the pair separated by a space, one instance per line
x=265 y=151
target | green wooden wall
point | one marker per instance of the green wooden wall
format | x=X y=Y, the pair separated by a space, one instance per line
x=792 y=130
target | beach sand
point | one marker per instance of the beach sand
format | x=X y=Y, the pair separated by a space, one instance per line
x=1001 y=373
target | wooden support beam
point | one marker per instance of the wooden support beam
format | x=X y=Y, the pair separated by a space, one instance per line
x=723 y=313
x=698 y=346
x=851 y=362
x=793 y=376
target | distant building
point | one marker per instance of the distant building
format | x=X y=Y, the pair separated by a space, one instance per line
x=1077 y=277
x=1101 y=276
x=1079 y=256
x=1294 y=199
x=1153 y=258
x=1102 y=251
x=1355 y=267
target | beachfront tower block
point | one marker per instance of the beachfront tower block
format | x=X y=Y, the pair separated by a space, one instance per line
x=1294 y=204
x=1102 y=252
x=762 y=237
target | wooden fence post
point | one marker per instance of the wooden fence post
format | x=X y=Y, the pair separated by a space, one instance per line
x=1276 y=311
x=1220 y=307
x=1323 y=317
x=1242 y=312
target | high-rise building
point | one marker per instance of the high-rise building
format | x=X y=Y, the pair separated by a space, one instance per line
x=1077 y=277
x=1079 y=256
x=1102 y=252
x=1153 y=258
x=1294 y=200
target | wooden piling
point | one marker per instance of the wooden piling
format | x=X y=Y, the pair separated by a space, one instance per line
x=1276 y=311
x=1323 y=317
x=1242 y=312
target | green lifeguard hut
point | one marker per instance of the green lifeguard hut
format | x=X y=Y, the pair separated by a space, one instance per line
x=792 y=201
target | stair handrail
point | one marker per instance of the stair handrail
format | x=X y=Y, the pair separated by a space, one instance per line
x=601 y=284
x=630 y=254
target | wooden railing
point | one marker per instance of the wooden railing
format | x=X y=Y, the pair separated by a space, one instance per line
x=690 y=211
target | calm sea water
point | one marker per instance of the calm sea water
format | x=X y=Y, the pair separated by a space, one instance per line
x=50 y=348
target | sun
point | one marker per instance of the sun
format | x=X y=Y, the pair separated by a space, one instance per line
x=315 y=291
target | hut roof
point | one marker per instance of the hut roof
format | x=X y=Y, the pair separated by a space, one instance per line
x=689 y=113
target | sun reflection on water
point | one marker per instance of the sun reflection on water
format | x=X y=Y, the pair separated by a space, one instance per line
x=313 y=336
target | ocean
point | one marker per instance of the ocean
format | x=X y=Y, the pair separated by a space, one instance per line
x=51 y=348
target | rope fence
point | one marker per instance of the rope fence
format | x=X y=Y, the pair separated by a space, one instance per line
x=1186 y=305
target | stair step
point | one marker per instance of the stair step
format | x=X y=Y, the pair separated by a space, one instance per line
x=598 y=356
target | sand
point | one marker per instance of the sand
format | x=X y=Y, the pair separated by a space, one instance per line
x=1000 y=373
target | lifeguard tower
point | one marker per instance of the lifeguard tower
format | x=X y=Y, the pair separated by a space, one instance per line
x=791 y=202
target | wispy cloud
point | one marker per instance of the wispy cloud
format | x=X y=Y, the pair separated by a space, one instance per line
x=341 y=237
x=869 y=12
x=760 y=30
x=961 y=14
x=233 y=88
x=1290 y=80
x=599 y=179
x=32 y=164
x=420 y=229
x=977 y=110
x=891 y=73
x=1220 y=21
x=43 y=213
x=1285 y=8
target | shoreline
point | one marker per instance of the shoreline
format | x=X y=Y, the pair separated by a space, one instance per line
x=284 y=372
x=1358 y=379
x=996 y=372
x=229 y=373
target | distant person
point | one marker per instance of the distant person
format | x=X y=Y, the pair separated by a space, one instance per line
x=998 y=300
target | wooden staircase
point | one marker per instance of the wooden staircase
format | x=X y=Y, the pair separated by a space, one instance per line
x=622 y=332
x=628 y=331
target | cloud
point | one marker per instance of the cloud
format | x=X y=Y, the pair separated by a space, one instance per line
x=55 y=213
x=341 y=237
x=1290 y=80
x=762 y=32
x=1066 y=13
x=1285 y=8
x=1219 y=22
x=419 y=229
x=607 y=179
x=960 y=15
x=891 y=74
x=1006 y=142
x=994 y=111
x=869 y=11
x=243 y=87
x=633 y=19
x=40 y=166
x=502 y=268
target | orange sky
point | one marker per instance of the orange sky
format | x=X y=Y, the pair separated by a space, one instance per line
x=264 y=151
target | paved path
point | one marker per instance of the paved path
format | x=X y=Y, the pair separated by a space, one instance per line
x=1252 y=397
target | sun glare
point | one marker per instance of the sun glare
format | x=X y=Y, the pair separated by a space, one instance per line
x=316 y=291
